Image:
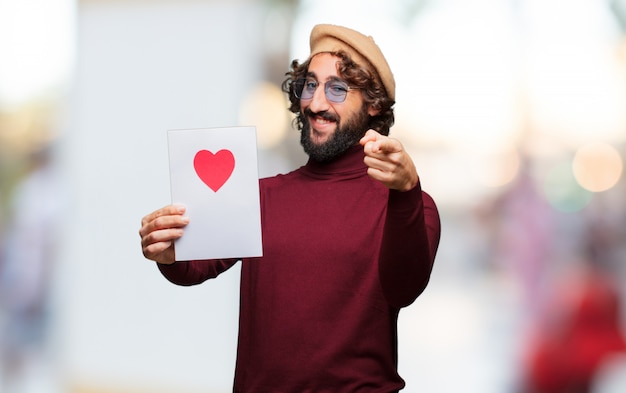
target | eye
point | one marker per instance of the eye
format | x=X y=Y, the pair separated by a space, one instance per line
x=337 y=88
x=310 y=84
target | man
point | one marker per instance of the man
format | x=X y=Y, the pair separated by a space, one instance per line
x=348 y=239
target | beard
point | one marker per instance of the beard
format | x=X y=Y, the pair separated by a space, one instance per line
x=345 y=135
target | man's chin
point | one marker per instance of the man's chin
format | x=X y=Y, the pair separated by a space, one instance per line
x=325 y=151
x=320 y=137
x=318 y=140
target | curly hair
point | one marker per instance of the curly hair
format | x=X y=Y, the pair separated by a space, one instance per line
x=374 y=94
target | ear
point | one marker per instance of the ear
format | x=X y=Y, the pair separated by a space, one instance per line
x=372 y=111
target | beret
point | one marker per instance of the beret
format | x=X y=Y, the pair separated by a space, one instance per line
x=362 y=49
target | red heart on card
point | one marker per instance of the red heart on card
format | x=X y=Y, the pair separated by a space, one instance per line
x=214 y=169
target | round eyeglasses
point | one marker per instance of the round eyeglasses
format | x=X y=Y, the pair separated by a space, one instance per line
x=335 y=90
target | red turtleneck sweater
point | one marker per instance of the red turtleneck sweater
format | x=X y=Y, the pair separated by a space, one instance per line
x=342 y=255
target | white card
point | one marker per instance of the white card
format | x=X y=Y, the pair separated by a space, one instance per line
x=214 y=173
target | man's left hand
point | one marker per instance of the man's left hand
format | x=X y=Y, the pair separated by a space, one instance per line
x=388 y=162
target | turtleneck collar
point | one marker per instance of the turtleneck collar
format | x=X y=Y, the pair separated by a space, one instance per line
x=350 y=164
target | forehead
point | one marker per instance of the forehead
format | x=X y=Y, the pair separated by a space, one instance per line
x=324 y=66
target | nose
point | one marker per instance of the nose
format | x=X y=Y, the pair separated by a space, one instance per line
x=319 y=103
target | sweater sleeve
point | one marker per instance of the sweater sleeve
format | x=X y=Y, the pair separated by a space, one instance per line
x=410 y=240
x=195 y=272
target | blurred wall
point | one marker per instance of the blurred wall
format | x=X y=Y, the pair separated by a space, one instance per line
x=142 y=68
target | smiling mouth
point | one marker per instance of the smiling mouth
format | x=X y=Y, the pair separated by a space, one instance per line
x=321 y=120
x=320 y=129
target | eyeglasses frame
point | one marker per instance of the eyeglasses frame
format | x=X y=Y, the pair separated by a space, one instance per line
x=327 y=86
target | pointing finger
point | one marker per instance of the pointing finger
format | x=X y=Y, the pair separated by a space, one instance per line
x=370 y=136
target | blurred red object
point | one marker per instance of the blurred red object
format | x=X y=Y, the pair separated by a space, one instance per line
x=581 y=331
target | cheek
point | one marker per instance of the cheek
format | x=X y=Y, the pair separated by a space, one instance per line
x=348 y=110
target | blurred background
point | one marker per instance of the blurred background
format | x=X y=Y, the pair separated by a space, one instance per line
x=513 y=110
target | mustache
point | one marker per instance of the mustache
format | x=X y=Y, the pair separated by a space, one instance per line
x=326 y=115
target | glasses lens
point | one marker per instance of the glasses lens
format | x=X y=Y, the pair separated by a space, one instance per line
x=305 y=88
x=298 y=86
x=336 y=91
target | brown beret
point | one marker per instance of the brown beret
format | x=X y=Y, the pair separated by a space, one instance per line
x=362 y=49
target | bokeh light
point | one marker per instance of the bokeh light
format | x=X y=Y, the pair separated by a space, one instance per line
x=265 y=107
x=562 y=190
x=597 y=166
x=499 y=168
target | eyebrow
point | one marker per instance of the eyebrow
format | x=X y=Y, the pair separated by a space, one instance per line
x=330 y=78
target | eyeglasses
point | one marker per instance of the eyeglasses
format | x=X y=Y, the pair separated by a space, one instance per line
x=335 y=90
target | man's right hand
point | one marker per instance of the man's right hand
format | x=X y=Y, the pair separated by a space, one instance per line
x=158 y=231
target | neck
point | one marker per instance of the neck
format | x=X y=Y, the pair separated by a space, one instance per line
x=349 y=162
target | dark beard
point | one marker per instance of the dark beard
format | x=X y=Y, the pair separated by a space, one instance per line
x=344 y=137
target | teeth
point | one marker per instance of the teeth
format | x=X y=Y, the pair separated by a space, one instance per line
x=322 y=121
